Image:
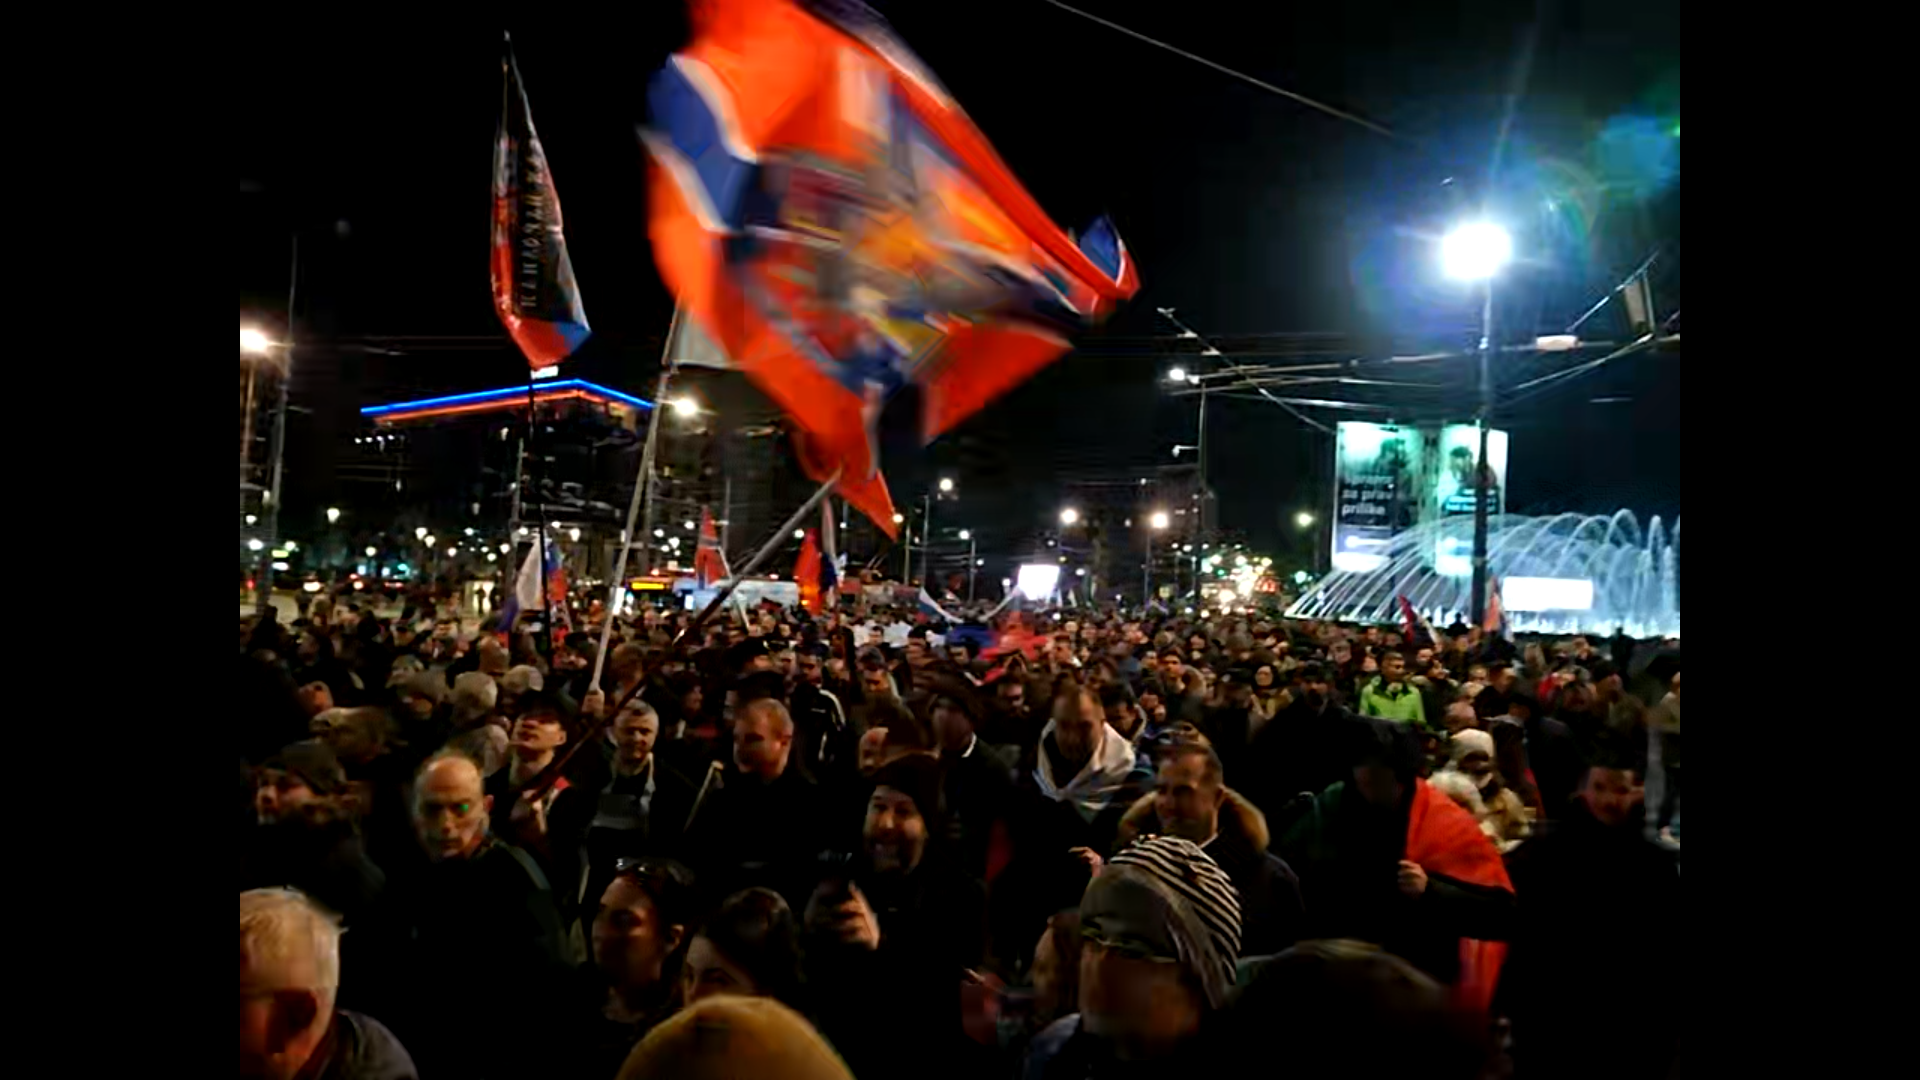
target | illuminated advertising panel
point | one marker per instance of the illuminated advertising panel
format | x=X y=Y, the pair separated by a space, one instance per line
x=1455 y=453
x=1376 y=476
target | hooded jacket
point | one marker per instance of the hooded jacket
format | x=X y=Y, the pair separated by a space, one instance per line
x=1271 y=913
x=1405 y=704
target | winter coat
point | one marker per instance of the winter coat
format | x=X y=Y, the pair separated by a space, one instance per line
x=1400 y=701
x=1600 y=910
x=359 y=1047
x=744 y=832
x=625 y=817
x=979 y=792
x=1271 y=915
x=1302 y=750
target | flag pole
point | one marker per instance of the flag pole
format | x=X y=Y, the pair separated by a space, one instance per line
x=642 y=496
x=773 y=544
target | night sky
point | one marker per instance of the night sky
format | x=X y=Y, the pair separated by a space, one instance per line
x=1274 y=229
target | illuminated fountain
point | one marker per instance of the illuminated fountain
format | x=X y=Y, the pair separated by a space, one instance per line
x=1634 y=575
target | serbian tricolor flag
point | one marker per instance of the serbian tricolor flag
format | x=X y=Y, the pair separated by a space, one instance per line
x=1419 y=634
x=709 y=561
x=838 y=229
x=533 y=288
x=806 y=574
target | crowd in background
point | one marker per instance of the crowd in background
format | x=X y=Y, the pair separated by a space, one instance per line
x=1069 y=845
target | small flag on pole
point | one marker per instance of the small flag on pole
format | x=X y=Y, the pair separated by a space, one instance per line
x=830 y=550
x=1496 y=619
x=709 y=562
x=806 y=574
x=533 y=288
x=1419 y=634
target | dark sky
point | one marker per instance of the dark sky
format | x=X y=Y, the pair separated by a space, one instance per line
x=1258 y=219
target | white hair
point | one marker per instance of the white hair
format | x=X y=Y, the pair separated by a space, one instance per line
x=293 y=942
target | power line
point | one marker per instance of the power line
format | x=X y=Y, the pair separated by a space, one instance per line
x=1340 y=114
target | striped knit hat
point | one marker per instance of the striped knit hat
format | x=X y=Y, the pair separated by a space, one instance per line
x=1206 y=908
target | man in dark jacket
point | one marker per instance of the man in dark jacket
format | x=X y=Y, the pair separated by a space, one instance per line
x=1302 y=750
x=1600 y=916
x=1353 y=852
x=481 y=915
x=976 y=782
x=757 y=822
x=1552 y=754
x=821 y=724
x=1189 y=794
x=289 y=977
x=640 y=810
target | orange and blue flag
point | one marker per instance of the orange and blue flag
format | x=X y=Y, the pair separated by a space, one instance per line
x=838 y=229
x=533 y=288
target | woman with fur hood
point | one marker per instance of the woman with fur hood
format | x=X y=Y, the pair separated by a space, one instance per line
x=1471 y=780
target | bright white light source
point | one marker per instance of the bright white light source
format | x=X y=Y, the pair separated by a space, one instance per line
x=421 y=533
x=253 y=342
x=493 y=556
x=251 y=519
x=946 y=483
x=1475 y=251
x=429 y=539
x=1300 y=577
x=1038 y=580
x=1546 y=594
x=1069 y=516
x=1159 y=520
x=506 y=549
x=898 y=518
x=965 y=534
x=311 y=586
x=1080 y=572
x=685 y=406
x=547 y=372
x=372 y=551
x=452 y=551
x=799 y=534
x=1177 y=375
x=659 y=533
x=255 y=544
x=573 y=535
x=1557 y=342
x=690 y=525
x=1303 y=519
x=333 y=515
x=469 y=532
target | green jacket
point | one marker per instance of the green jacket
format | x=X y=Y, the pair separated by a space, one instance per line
x=1402 y=704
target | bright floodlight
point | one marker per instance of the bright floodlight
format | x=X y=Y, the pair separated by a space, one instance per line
x=253 y=342
x=430 y=538
x=1303 y=519
x=573 y=535
x=1038 y=580
x=372 y=551
x=1158 y=520
x=685 y=406
x=255 y=544
x=898 y=517
x=333 y=514
x=1475 y=251
x=421 y=533
x=965 y=534
x=1177 y=375
x=1069 y=516
x=946 y=483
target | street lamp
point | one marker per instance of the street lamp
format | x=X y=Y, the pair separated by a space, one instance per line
x=428 y=540
x=973 y=562
x=333 y=515
x=253 y=342
x=898 y=517
x=1176 y=375
x=946 y=485
x=421 y=533
x=1069 y=516
x=255 y=544
x=1155 y=523
x=1477 y=251
x=573 y=535
x=1303 y=519
x=685 y=407
x=372 y=551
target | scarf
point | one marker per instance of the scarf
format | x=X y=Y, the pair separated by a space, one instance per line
x=1444 y=839
x=1098 y=781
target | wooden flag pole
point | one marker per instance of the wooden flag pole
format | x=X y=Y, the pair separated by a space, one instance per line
x=642 y=496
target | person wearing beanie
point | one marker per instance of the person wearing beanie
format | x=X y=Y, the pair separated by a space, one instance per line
x=1160 y=930
x=894 y=930
x=1386 y=858
x=726 y=1037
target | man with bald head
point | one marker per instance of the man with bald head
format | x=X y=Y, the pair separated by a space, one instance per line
x=481 y=915
x=289 y=982
x=756 y=820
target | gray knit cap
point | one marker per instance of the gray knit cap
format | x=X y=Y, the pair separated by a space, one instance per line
x=1206 y=908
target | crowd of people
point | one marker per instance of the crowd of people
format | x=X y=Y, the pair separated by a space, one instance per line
x=1071 y=845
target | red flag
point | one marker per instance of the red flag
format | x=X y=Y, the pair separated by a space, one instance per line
x=709 y=562
x=806 y=573
x=533 y=288
x=1444 y=839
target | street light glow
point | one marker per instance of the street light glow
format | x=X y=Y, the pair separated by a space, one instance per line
x=420 y=533
x=333 y=515
x=253 y=342
x=255 y=544
x=898 y=517
x=1177 y=375
x=946 y=484
x=1475 y=251
x=1303 y=519
x=429 y=540
x=1069 y=516
x=573 y=535
x=684 y=406
x=1159 y=519
x=966 y=534
x=799 y=534
x=372 y=551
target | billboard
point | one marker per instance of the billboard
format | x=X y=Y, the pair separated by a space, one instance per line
x=1377 y=474
x=1456 y=450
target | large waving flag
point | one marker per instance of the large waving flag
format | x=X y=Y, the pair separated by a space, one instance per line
x=931 y=608
x=837 y=228
x=533 y=288
x=709 y=561
x=806 y=574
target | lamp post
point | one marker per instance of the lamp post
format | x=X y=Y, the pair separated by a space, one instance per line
x=1477 y=251
x=254 y=342
x=973 y=563
x=1155 y=523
